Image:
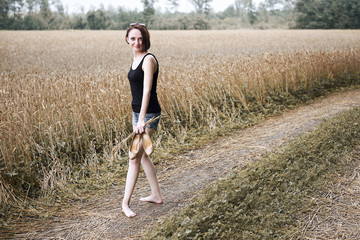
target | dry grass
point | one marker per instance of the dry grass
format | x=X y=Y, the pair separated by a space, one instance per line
x=336 y=213
x=65 y=98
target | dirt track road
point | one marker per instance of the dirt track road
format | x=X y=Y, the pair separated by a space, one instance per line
x=183 y=178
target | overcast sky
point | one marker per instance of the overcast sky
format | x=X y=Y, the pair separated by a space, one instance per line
x=184 y=5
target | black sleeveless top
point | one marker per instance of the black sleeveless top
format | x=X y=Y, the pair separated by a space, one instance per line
x=136 y=79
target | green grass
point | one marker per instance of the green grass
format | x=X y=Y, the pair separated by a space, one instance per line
x=264 y=200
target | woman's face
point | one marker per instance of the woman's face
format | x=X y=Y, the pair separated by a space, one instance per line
x=135 y=40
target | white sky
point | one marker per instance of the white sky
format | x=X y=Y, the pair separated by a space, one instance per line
x=184 y=5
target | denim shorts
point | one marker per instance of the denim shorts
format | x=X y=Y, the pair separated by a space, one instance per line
x=148 y=116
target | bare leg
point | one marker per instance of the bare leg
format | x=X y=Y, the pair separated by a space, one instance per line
x=150 y=173
x=131 y=178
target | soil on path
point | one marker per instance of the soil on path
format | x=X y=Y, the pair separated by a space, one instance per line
x=185 y=176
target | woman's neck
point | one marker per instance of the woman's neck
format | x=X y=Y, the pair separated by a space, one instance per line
x=139 y=54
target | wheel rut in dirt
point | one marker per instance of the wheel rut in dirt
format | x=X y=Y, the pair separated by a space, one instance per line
x=187 y=174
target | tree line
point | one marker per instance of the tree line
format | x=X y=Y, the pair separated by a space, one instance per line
x=304 y=14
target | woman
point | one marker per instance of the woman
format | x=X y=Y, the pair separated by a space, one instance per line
x=142 y=76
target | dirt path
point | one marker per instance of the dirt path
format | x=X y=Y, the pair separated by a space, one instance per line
x=183 y=178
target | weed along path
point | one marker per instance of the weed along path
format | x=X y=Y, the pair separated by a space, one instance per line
x=186 y=175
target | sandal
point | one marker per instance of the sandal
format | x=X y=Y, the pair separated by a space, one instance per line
x=147 y=144
x=134 y=146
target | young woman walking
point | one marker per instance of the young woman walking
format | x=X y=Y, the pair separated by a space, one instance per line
x=142 y=76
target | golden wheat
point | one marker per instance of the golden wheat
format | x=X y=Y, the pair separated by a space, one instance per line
x=64 y=95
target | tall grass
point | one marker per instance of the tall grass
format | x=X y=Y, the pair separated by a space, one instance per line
x=65 y=99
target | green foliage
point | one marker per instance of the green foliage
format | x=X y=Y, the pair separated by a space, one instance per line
x=328 y=14
x=34 y=22
x=149 y=10
x=4 y=9
x=45 y=14
x=97 y=20
x=264 y=200
x=38 y=15
x=201 y=6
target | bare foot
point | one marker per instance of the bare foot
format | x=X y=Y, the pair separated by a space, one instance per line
x=152 y=199
x=128 y=212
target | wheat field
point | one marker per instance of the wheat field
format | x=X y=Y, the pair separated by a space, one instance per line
x=65 y=97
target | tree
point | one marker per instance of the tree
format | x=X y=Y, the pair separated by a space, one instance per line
x=246 y=9
x=78 y=22
x=11 y=15
x=97 y=20
x=14 y=6
x=328 y=14
x=59 y=7
x=271 y=4
x=201 y=6
x=31 y=4
x=4 y=9
x=149 y=10
x=45 y=11
x=174 y=4
x=34 y=22
x=229 y=12
x=123 y=17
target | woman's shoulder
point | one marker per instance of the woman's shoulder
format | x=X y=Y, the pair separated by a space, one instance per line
x=150 y=59
x=150 y=56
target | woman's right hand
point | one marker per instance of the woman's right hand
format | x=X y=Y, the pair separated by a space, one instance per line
x=140 y=127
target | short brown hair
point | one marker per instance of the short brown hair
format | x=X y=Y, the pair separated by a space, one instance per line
x=144 y=33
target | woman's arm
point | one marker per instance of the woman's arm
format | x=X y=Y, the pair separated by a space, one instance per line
x=149 y=68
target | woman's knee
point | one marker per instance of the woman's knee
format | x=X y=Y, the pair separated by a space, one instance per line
x=135 y=162
x=145 y=159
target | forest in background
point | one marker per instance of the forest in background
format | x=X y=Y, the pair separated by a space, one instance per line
x=242 y=14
